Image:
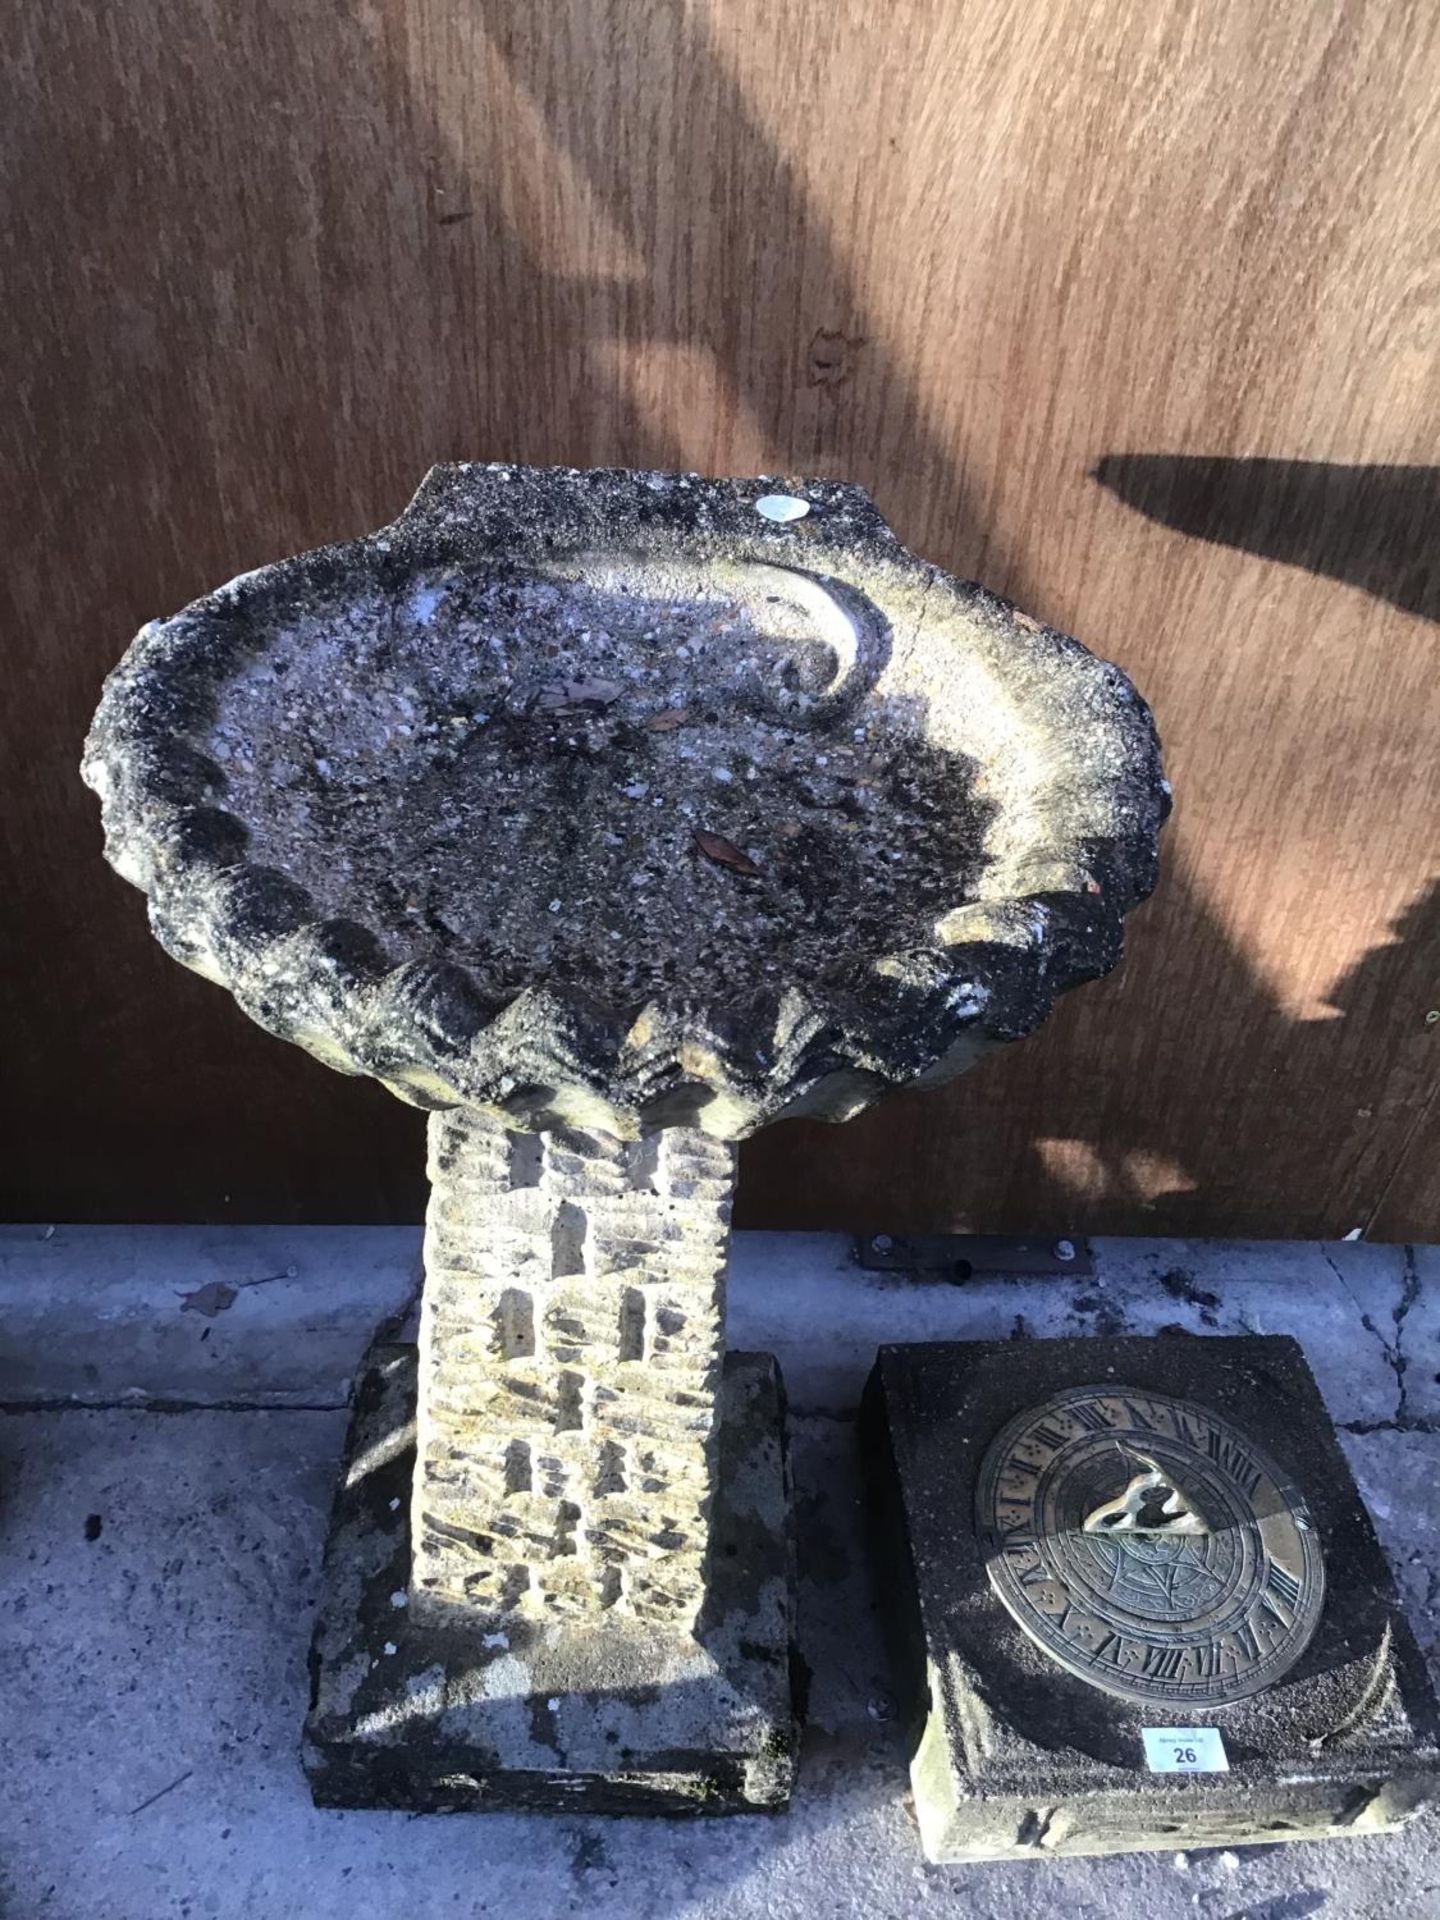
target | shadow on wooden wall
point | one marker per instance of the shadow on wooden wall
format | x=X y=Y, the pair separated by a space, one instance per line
x=1378 y=528
x=1150 y=1169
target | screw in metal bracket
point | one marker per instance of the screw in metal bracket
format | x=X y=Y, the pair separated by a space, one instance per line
x=1064 y=1249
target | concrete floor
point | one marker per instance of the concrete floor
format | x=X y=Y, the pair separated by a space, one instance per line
x=159 y=1550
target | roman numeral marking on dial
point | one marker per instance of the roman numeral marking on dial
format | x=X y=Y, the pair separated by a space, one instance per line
x=1248 y=1641
x=1233 y=1460
x=1139 y=1417
x=1283 y=1588
x=1165 y=1663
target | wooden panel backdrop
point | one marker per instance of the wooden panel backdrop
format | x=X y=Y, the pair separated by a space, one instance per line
x=1129 y=309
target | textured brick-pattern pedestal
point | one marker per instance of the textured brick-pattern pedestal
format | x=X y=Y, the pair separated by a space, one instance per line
x=570 y=1349
x=560 y=1572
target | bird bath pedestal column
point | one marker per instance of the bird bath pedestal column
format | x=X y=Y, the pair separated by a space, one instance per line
x=607 y=817
x=571 y=1341
x=560 y=1573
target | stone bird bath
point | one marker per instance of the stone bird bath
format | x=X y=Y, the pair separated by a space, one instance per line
x=607 y=816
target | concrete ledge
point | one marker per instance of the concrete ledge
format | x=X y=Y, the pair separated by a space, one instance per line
x=195 y=1316
x=280 y=1316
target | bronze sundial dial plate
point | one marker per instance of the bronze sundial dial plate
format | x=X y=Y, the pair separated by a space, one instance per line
x=1199 y=1578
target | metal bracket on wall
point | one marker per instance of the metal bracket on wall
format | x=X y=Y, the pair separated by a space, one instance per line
x=958 y=1257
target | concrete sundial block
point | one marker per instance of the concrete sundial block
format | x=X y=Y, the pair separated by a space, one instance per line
x=1208 y=1652
x=608 y=816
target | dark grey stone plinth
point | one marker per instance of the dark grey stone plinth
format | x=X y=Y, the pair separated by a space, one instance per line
x=439 y=1715
x=1016 y=1758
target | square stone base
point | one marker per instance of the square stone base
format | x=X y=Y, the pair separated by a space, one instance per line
x=609 y=1719
x=1016 y=1758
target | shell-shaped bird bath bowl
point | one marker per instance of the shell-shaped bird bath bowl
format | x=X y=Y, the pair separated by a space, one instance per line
x=609 y=816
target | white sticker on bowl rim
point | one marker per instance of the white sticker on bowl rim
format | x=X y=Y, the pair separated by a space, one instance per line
x=782 y=507
x=1184 y=1750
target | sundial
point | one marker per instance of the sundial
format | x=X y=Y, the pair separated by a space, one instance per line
x=1149 y=1546
x=1137 y=1601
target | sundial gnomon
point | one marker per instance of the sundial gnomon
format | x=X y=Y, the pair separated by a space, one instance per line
x=1149 y=1546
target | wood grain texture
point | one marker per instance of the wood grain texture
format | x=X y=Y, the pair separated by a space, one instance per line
x=265 y=264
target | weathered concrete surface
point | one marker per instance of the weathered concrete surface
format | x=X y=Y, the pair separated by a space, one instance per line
x=272 y=1316
x=171 y=1647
